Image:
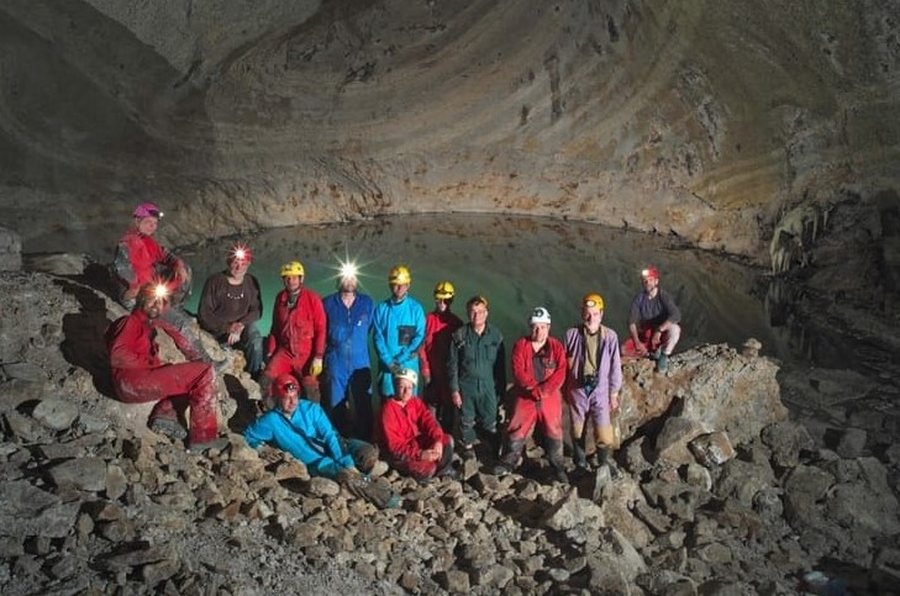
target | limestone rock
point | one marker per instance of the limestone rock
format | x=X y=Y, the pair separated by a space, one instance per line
x=672 y=441
x=804 y=488
x=571 y=511
x=852 y=443
x=712 y=450
x=455 y=582
x=615 y=565
x=323 y=487
x=56 y=414
x=716 y=387
x=87 y=473
x=787 y=439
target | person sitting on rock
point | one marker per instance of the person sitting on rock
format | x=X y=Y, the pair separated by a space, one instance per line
x=139 y=376
x=140 y=260
x=539 y=370
x=593 y=381
x=301 y=428
x=296 y=342
x=230 y=306
x=439 y=326
x=653 y=322
x=414 y=442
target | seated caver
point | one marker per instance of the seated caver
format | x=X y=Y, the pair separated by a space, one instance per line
x=653 y=322
x=230 y=308
x=301 y=428
x=411 y=438
x=140 y=260
x=139 y=376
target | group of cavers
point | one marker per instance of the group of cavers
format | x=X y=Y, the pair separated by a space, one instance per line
x=438 y=378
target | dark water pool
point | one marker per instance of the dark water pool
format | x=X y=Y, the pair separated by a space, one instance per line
x=517 y=263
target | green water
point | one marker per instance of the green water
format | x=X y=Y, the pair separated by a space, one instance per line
x=517 y=263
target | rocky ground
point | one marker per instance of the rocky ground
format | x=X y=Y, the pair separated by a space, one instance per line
x=719 y=492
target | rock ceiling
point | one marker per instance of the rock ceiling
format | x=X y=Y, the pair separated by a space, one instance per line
x=703 y=119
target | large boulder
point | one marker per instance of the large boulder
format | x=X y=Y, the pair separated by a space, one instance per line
x=716 y=387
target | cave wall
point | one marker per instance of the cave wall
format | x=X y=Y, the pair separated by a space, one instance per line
x=703 y=119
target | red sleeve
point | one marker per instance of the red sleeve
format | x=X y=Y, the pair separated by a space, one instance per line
x=522 y=370
x=397 y=443
x=319 y=330
x=424 y=365
x=122 y=340
x=427 y=424
x=275 y=331
x=554 y=382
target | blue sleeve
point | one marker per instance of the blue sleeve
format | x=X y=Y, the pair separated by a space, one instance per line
x=259 y=432
x=382 y=349
x=325 y=431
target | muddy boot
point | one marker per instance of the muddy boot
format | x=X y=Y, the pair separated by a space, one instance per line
x=578 y=455
x=169 y=427
x=509 y=460
x=554 y=449
x=604 y=459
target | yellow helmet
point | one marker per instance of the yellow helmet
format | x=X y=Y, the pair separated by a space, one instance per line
x=292 y=268
x=399 y=275
x=593 y=299
x=444 y=290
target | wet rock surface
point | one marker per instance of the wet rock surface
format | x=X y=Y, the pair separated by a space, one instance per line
x=706 y=497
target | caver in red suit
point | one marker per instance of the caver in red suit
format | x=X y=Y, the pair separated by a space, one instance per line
x=413 y=441
x=139 y=376
x=539 y=370
x=296 y=343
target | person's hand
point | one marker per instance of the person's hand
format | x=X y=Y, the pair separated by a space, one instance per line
x=395 y=368
x=614 y=401
x=426 y=379
x=233 y=338
x=182 y=272
x=438 y=448
x=315 y=369
x=640 y=347
x=656 y=338
x=456 y=398
x=429 y=455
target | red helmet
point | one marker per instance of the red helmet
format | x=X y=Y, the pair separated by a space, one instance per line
x=650 y=272
x=284 y=383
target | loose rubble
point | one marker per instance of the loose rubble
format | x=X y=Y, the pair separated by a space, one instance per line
x=716 y=491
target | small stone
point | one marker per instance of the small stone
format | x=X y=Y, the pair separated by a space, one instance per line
x=455 y=582
x=558 y=575
x=10 y=547
x=92 y=424
x=65 y=567
x=714 y=552
x=155 y=573
x=116 y=482
x=751 y=348
x=852 y=443
x=25 y=371
x=323 y=487
x=572 y=511
x=711 y=450
x=86 y=473
x=469 y=468
x=697 y=475
x=672 y=441
x=21 y=427
x=291 y=469
x=409 y=581
x=55 y=413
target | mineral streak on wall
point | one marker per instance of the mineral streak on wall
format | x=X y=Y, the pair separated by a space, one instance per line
x=706 y=119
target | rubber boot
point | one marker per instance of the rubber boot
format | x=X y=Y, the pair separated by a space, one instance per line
x=604 y=457
x=578 y=454
x=509 y=461
x=554 y=449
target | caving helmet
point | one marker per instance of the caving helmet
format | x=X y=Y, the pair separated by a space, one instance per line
x=444 y=290
x=593 y=299
x=400 y=276
x=291 y=269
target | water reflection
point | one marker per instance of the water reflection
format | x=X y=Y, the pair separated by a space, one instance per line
x=518 y=263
